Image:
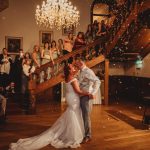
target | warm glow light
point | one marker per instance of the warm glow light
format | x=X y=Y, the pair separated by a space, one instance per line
x=57 y=14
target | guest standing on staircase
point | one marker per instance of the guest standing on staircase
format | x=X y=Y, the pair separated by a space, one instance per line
x=36 y=56
x=45 y=53
x=54 y=54
x=101 y=34
x=80 y=42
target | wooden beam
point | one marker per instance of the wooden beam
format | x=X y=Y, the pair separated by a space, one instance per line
x=106 y=82
x=95 y=61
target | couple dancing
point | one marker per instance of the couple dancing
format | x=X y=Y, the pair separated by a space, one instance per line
x=73 y=126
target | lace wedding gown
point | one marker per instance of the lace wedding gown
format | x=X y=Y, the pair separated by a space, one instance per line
x=67 y=131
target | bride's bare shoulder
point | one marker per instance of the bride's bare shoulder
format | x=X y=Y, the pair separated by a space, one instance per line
x=71 y=80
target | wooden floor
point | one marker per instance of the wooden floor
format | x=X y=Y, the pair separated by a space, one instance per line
x=117 y=127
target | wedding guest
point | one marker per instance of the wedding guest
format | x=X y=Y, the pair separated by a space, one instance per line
x=36 y=56
x=68 y=44
x=61 y=46
x=45 y=53
x=26 y=57
x=89 y=38
x=5 y=68
x=17 y=70
x=28 y=68
x=95 y=28
x=54 y=51
x=54 y=54
x=80 y=42
x=102 y=31
x=89 y=34
x=45 y=58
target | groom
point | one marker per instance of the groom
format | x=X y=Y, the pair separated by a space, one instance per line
x=89 y=83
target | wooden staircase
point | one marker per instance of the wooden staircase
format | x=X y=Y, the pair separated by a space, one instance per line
x=53 y=74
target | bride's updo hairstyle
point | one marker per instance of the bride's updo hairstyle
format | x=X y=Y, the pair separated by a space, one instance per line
x=66 y=71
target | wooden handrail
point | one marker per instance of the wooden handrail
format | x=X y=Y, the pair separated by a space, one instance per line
x=59 y=78
x=66 y=57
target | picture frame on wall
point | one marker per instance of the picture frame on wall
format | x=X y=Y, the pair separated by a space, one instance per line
x=13 y=44
x=66 y=31
x=45 y=36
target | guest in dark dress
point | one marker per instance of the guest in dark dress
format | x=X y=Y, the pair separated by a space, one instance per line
x=27 y=68
x=18 y=71
x=89 y=38
x=95 y=28
x=89 y=34
x=80 y=42
x=101 y=34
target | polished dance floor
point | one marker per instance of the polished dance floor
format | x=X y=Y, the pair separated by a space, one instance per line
x=114 y=127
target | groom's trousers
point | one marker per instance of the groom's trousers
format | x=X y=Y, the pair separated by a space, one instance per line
x=86 y=107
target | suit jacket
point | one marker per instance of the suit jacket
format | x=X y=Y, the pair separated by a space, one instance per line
x=88 y=81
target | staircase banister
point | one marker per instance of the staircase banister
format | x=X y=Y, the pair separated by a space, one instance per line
x=60 y=77
x=67 y=56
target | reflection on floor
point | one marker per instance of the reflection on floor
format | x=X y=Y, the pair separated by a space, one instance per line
x=114 y=127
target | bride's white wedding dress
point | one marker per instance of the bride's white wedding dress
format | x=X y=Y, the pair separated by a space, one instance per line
x=67 y=131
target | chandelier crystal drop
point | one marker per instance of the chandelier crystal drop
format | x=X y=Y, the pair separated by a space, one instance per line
x=57 y=14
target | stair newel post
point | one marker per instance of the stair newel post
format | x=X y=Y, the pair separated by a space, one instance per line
x=32 y=96
x=106 y=82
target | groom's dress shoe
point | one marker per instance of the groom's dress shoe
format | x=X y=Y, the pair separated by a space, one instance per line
x=86 y=140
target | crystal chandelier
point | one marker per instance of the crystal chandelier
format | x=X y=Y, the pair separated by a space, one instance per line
x=57 y=14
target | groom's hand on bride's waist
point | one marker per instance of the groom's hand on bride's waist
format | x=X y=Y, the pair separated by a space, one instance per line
x=91 y=96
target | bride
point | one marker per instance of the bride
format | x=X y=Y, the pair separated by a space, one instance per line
x=68 y=130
